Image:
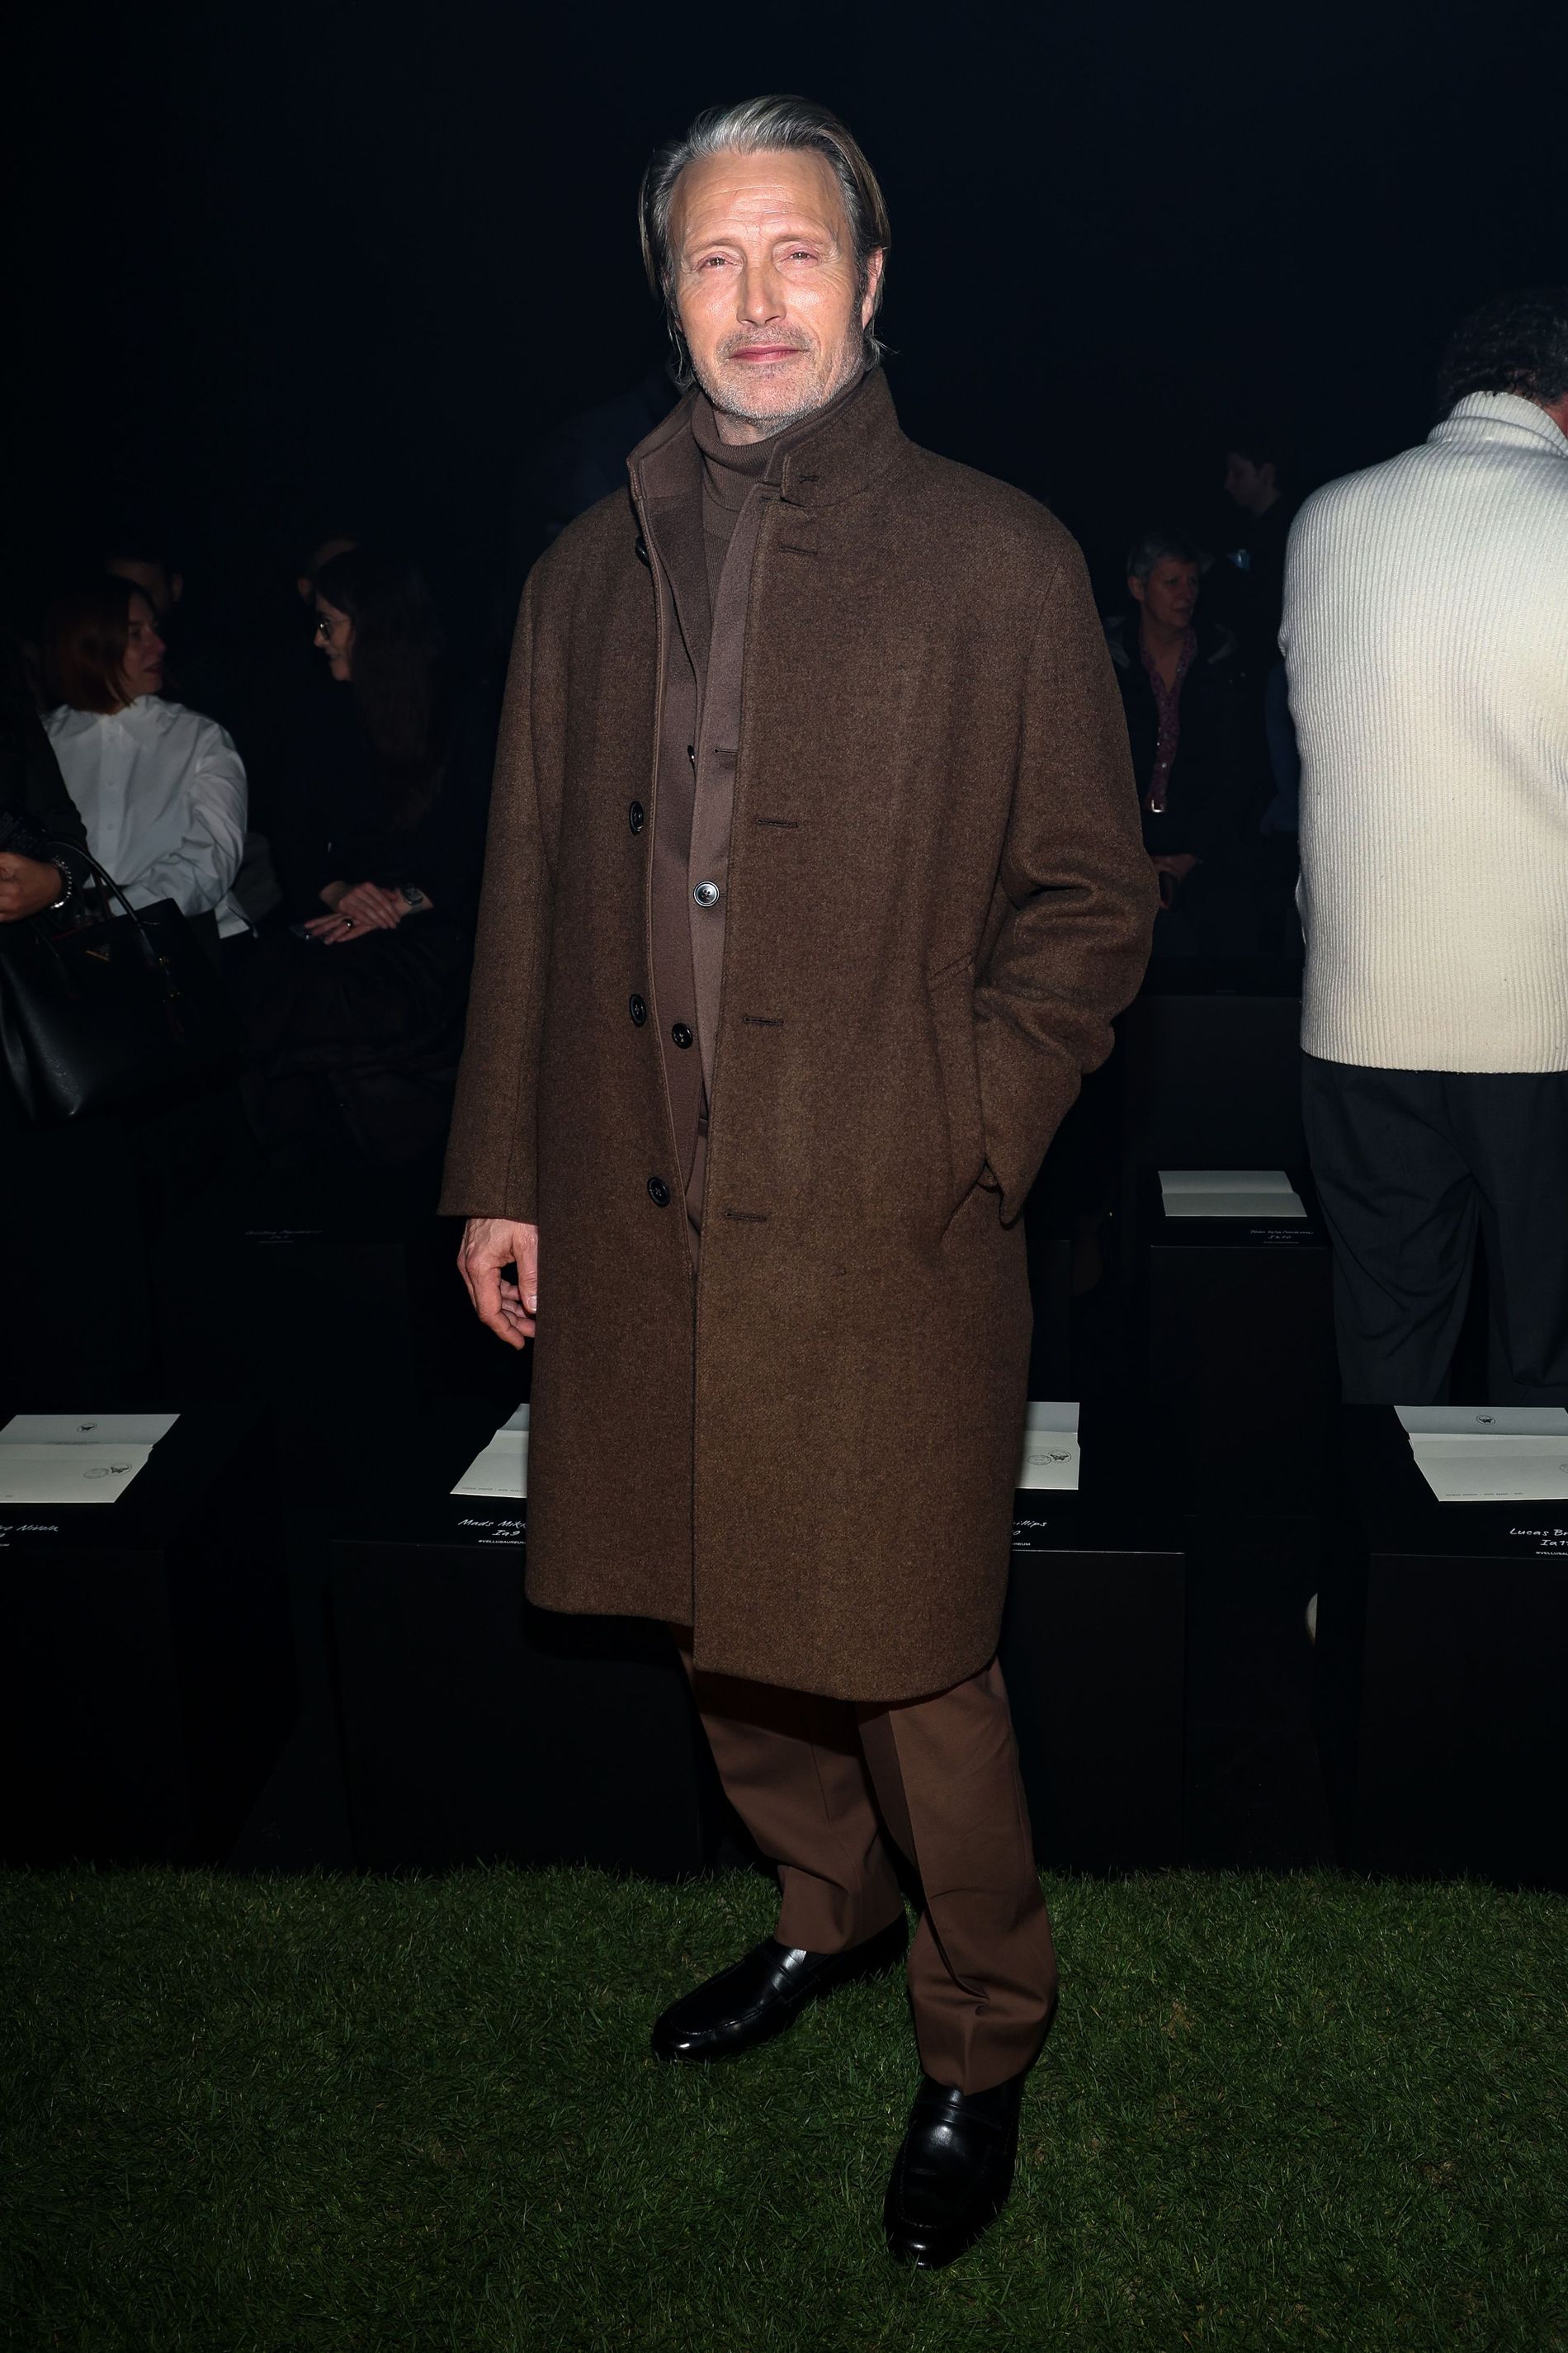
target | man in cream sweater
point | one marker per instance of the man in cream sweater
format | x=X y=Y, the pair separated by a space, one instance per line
x=1425 y=633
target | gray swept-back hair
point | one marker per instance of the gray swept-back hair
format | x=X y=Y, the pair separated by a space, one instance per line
x=1156 y=547
x=760 y=126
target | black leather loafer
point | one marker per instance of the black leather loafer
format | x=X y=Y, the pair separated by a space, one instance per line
x=950 y=2177
x=765 y=1992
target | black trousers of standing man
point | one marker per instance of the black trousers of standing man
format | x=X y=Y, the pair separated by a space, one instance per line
x=1409 y=1165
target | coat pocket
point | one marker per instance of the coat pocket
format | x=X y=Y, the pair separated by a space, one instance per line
x=951 y=996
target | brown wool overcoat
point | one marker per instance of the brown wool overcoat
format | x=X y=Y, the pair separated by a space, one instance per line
x=937 y=900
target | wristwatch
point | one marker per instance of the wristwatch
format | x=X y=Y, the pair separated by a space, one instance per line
x=412 y=895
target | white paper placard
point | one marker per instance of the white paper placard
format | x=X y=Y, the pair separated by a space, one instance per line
x=1502 y=1470
x=1254 y=1193
x=1223 y=1180
x=1050 y=1455
x=87 y=1428
x=1484 y=1420
x=501 y=1467
x=1262 y=1208
x=76 y=1473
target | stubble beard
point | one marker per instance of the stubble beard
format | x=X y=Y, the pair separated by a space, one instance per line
x=727 y=396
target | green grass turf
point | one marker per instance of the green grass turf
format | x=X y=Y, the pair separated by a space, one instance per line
x=344 y=2114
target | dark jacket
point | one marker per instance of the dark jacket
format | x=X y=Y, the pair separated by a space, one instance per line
x=1215 y=792
x=336 y=824
x=31 y=784
x=937 y=901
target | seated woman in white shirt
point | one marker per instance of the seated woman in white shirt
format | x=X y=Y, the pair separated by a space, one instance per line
x=160 y=790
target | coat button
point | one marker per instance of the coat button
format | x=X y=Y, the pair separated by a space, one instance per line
x=635 y=817
x=681 y=1034
x=706 y=894
x=637 y=1009
x=658 y=1192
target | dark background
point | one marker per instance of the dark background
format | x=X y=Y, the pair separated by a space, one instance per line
x=283 y=268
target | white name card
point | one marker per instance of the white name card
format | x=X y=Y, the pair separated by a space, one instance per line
x=1050 y=1456
x=69 y=1458
x=501 y=1468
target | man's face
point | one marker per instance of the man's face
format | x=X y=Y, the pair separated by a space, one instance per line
x=765 y=286
x=1170 y=593
x=162 y=588
x=1249 y=485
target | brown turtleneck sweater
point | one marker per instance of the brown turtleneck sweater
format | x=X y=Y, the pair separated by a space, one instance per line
x=701 y=502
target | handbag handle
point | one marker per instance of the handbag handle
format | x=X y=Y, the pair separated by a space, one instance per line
x=147 y=946
x=107 y=882
x=144 y=940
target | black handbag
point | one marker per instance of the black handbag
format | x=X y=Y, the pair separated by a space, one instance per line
x=99 y=1012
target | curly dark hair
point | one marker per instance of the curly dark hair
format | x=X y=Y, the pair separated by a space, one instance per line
x=1516 y=342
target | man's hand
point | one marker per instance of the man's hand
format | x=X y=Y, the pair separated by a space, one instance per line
x=506 y=1309
x=27 y=887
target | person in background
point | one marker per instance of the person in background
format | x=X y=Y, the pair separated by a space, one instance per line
x=200 y=669
x=1181 y=686
x=1425 y=629
x=286 y=688
x=160 y=581
x=322 y=550
x=161 y=789
x=43 y=868
x=199 y=675
x=1255 y=479
x=357 y=1017
x=393 y=825
x=41 y=832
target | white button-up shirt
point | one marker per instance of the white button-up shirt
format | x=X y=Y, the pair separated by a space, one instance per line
x=161 y=792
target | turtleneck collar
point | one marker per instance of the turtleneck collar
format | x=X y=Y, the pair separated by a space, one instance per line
x=732 y=467
x=828 y=457
x=1505 y=411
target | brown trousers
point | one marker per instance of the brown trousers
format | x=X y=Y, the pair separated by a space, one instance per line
x=822 y=1784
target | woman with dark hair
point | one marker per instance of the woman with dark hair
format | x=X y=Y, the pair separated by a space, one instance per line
x=161 y=789
x=360 y=1044
x=391 y=835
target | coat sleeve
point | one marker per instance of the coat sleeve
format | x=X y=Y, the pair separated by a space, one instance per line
x=1073 y=915
x=492 y=1151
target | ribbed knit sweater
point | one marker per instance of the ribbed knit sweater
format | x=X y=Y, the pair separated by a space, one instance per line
x=1426 y=635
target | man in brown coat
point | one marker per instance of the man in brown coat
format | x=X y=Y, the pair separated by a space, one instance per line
x=814 y=879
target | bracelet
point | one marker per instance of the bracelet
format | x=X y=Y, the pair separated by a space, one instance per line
x=69 y=878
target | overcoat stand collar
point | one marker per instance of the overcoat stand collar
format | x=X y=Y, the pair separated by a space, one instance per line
x=835 y=456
